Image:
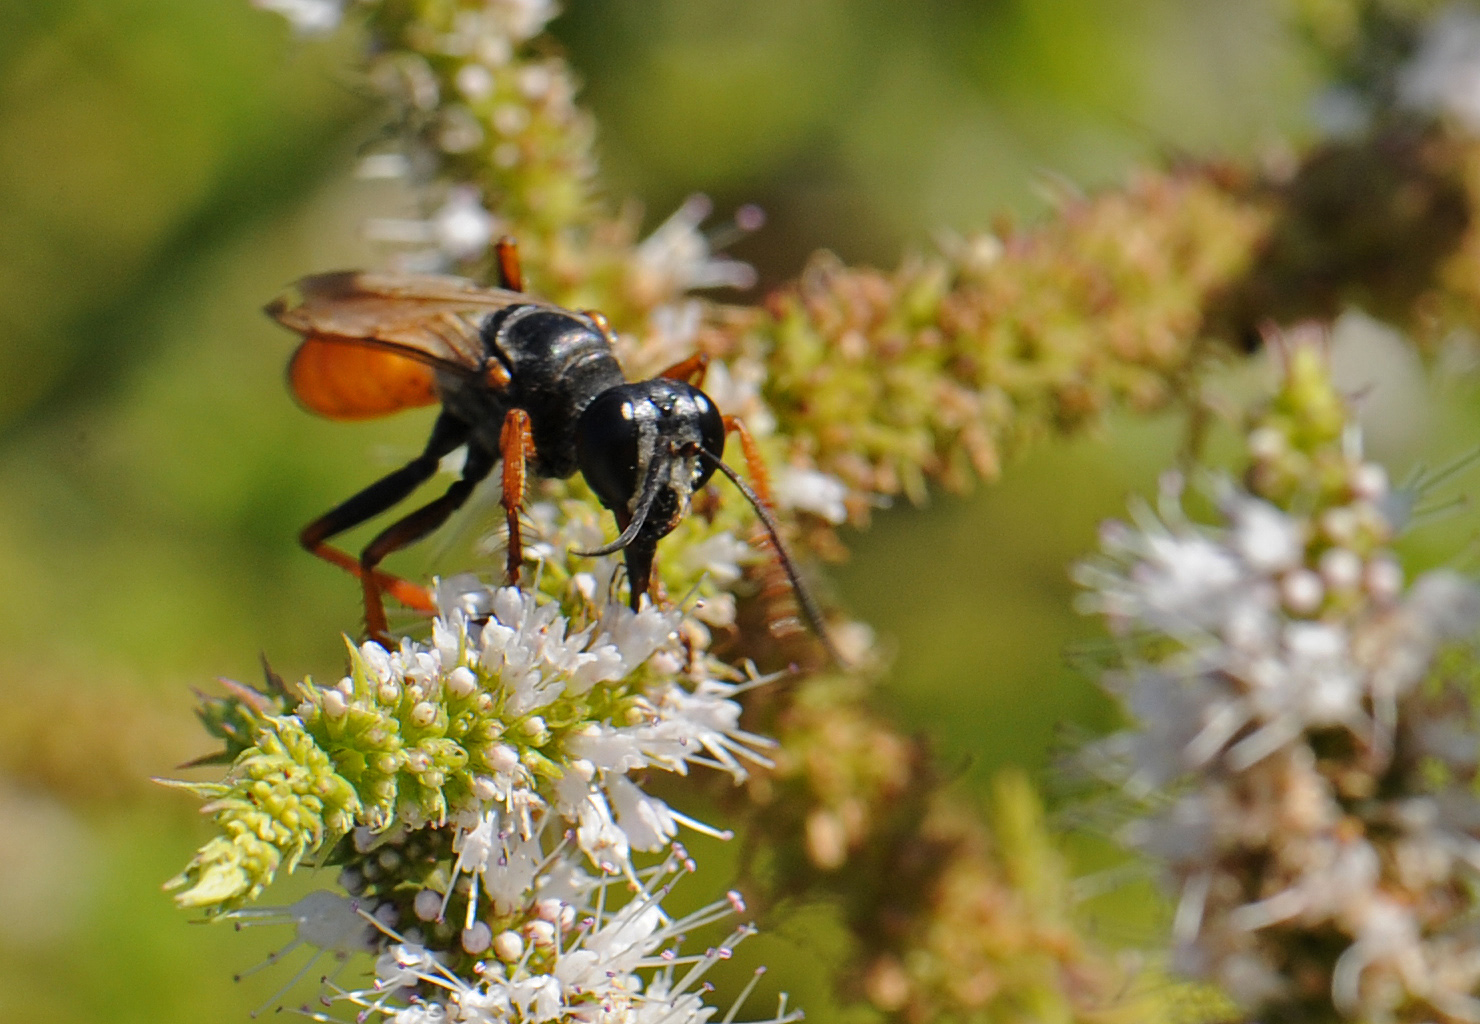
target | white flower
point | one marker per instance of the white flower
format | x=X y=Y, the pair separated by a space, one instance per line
x=1388 y=932
x=505 y=856
x=421 y=1013
x=1307 y=680
x=524 y=643
x=1182 y=725
x=403 y=965
x=1174 y=577
x=675 y=258
x=609 y=748
x=1444 y=75
x=537 y=998
x=522 y=20
x=634 y=636
x=1267 y=539
x=648 y=822
x=308 y=17
x=596 y=833
x=811 y=491
x=672 y=336
x=1321 y=670
x=1225 y=592
x=459 y=230
x=462 y=227
x=688 y=724
x=718 y=556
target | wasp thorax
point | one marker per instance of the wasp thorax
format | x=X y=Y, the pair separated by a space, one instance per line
x=637 y=446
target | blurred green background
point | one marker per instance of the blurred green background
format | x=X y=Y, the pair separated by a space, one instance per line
x=168 y=165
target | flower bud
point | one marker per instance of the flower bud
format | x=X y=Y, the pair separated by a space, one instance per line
x=508 y=946
x=477 y=938
x=462 y=682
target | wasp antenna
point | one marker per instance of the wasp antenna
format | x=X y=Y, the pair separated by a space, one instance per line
x=639 y=515
x=809 y=608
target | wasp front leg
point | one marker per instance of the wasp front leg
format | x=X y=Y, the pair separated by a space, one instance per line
x=516 y=444
x=510 y=273
x=690 y=370
x=760 y=478
x=759 y=496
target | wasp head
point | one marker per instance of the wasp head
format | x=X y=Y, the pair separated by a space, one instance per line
x=639 y=447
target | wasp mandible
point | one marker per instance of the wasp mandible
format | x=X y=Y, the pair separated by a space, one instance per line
x=521 y=382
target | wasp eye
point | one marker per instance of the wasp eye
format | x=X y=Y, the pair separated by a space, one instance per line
x=711 y=436
x=606 y=446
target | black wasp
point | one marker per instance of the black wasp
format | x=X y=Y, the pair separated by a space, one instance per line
x=521 y=381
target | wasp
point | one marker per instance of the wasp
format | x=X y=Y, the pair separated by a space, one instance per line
x=524 y=384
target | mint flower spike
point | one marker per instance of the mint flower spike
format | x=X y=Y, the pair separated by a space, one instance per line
x=1298 y=772
x=506 y=717
x=281 y=800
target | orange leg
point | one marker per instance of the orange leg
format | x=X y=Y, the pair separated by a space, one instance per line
x=410 y=529
x=690 y=370
x=376 y=626
x=510 y=273
x=415 y=597
x=759 y=496
x=447 y=434
x=760 y=479
x=516 y=444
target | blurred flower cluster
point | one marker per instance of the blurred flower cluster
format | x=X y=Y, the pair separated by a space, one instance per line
x=500 y=792
x=1306 y=783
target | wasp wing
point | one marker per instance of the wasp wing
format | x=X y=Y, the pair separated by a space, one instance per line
x=429 y=317
x=373 y=343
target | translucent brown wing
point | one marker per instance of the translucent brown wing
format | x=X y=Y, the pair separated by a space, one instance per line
x=426 y=317
x=373 y=343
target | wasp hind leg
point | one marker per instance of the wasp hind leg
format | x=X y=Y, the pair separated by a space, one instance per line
x=447 y=434
x=408 y=530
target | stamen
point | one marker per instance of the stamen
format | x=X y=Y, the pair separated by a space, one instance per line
x=295 y=979
x=750 y=985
